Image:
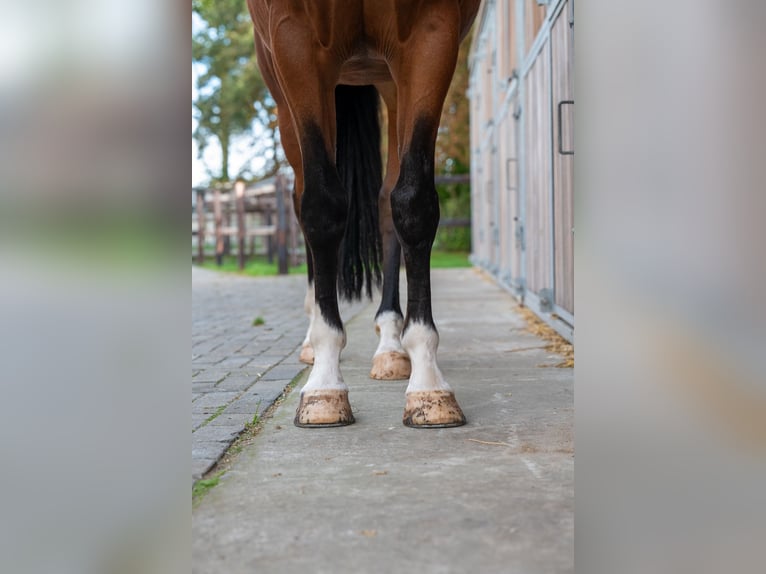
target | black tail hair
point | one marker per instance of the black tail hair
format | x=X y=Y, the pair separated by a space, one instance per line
x=359 y=164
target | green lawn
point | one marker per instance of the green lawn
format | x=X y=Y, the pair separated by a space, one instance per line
x=448 y=259
x=255 y=267
x=260 y=267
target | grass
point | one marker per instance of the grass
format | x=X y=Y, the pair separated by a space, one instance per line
x=253 y=424
x=253 y=267
x=261 y=268
x=449 y=259
x=201 y=487
x=218 y=411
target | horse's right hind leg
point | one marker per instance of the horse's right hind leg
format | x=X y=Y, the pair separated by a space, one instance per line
x=307 y=351
x=390 y=361
x=291 y=147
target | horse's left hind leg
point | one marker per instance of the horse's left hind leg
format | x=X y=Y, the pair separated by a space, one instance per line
x=422 y=80
x=390 y=361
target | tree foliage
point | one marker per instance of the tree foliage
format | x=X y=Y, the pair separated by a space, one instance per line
x=453 y=155
x=232 y=98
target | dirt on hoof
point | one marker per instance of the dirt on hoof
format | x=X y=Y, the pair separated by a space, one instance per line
x=432 y=409
x=324 y=409
x=391 y=366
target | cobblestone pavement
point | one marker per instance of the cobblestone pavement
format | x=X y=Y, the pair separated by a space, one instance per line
x=238 y=368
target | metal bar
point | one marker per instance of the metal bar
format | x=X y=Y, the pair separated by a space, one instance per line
x=570 y=7
x=455 y=222
x=452 y=179
x=552 y=169
x=521 y=150
x=561 y=104
x=508 y=178
x=562 y=328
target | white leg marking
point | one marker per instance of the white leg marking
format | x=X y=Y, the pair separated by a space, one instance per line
x=420 y=342
x=328 y=343
x=308 y=307
x=390 y=326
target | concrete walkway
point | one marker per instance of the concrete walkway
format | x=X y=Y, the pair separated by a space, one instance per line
x=495 y=495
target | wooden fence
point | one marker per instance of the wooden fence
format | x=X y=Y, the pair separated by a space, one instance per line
x=265 y=212
x=247 y=215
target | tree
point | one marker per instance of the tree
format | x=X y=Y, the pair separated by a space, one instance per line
x=231 y=92
x=453 y=142
x=453 y=155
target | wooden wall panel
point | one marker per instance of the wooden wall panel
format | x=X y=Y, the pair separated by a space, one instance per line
x=534 y=16
x=537 y=126
x=563 y=165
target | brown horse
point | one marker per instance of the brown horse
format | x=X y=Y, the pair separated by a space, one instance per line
x=327 y=63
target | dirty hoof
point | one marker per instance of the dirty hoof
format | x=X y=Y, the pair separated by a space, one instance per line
x=324 y=409
x=432 y=409
x=307 y=354
x=391 y=366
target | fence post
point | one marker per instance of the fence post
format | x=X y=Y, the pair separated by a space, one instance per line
x=201 y=223
x=226 y=208
x=280 y=190
x=239 y=191
x=218 y=217
x=268 y=217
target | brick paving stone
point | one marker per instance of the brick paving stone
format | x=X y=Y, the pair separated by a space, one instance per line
x=215 y=399
x=234 y=363
x=230 y=419
x=204 y=386
x=218 y=433
x=211 y=375
x=208 y=449
x=269 y=360
x=248 y=406
x=200 y=466
x=282 y=372
x=198 y=420
x=236 y=382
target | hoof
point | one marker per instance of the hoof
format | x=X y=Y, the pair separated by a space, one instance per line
x=324 y=409
x=432 y=409
x=307 y=355
x=391 y=366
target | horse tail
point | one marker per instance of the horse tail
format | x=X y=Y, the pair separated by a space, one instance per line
x=359 y=164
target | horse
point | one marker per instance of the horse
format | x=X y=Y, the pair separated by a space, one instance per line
x=328 y=63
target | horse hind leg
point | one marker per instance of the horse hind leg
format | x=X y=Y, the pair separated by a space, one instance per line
x=307 y=351
x=390 y=361
x=324 y=398
x=422 y=86
x=291 y=147
x=323 y=212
